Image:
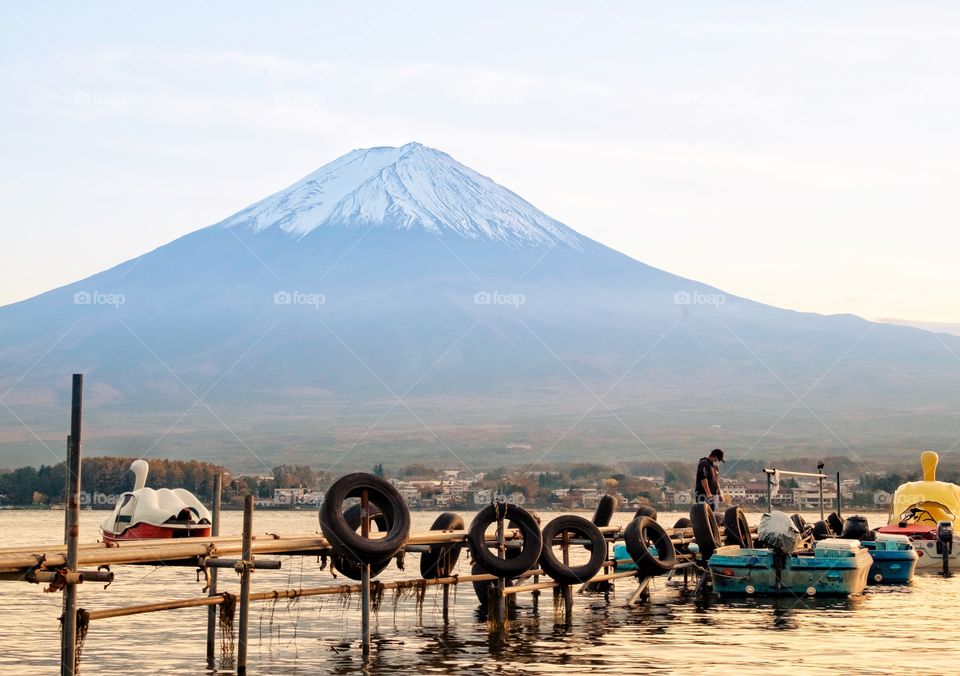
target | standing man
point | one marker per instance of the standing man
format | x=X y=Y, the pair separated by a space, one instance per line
x=707 y=486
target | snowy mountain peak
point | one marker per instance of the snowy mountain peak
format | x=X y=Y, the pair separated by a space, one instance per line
x=405 y=188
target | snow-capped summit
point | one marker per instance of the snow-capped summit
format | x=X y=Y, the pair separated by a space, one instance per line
x=409 y=187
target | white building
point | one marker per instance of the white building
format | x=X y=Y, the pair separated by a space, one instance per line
x=288 y=496
x=483 y=496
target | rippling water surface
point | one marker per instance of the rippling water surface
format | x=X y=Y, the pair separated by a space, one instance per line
x=886 y=630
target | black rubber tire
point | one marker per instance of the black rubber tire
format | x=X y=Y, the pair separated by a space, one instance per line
x=646 y=510
x=682 y=522
x=821 y=531
x=706 y=532
x=603 y=514
x=637 y=534
x=441 y=560
x=581 y=528
x=344 y=540
x=835 y=523
x=736 y=528
x=855 y=528
x=352 y=569
x=604 y=511
x=348 y=567
x=529 y=553
x=799 y=522
x=482 y=589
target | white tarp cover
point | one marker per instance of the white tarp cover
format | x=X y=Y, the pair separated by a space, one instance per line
x=155 y=507
x=777 y=531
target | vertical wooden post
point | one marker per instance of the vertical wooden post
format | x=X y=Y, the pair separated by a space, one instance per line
x=66 y=537
x=212 y=610
x=66 y=493
x=839 y=513
x=536 y=595
x=446 y=603
x=567 y=589
x=245 y=585
x=769 y=492
x=500 y=607
x=68 y=651
x=822 y=517
x=365 y=576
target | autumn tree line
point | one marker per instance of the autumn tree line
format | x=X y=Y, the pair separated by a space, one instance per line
x=107 y=475
x=111 y=476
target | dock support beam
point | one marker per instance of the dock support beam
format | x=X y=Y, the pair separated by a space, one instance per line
x=446 y=603
x=212 y=591
x=499 y=607
x=365 y=576
x=642 y=592
x=566 y=589
x=245 y=586
x=68 y=649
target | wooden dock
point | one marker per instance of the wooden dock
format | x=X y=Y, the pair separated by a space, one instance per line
x=65 y=567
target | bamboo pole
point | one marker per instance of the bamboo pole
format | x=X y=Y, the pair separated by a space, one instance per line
x=550 y=584
x=68 y=652
x=365 y=576
x=446 y=603
x=151 y=551
x=640 y=592
x=69 y=577
x=16 y=575
x=329 y=590
x=566 y=589
x=162 y=550
x=245 y=587
x=212 y=611
x=140 y=551
x=315 y=540
x=500 y=607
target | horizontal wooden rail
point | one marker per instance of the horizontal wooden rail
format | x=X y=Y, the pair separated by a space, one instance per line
x=146 y=551
x=22 y=559
x=519 y=589
x=330 y=590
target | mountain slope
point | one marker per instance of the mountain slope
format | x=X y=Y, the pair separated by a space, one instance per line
x=396 y=304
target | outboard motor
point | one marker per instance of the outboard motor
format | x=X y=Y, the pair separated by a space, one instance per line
x=945 y=543
x=855 y=528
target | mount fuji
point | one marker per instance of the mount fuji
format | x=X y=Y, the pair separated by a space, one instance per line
x=395 y=304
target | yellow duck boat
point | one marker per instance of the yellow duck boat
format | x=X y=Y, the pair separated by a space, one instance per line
x=925 y=512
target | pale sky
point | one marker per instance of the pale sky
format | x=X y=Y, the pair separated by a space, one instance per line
x=800 y=154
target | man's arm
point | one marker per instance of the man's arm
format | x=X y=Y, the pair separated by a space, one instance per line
x=706 y=487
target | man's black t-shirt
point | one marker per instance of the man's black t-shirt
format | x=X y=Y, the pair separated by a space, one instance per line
x=707 y=470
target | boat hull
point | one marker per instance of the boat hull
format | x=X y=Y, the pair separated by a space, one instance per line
x=891 y=566
x=147 y=531
x=924 y=540
x=751 y=572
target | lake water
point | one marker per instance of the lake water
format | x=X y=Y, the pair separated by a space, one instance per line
x=886 y=630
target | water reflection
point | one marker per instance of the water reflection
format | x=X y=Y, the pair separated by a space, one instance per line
x=321 y=636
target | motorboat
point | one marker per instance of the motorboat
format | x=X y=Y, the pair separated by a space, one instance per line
x=925 y=512
x=149 y=514
x=834 y=567
x=894 y=559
